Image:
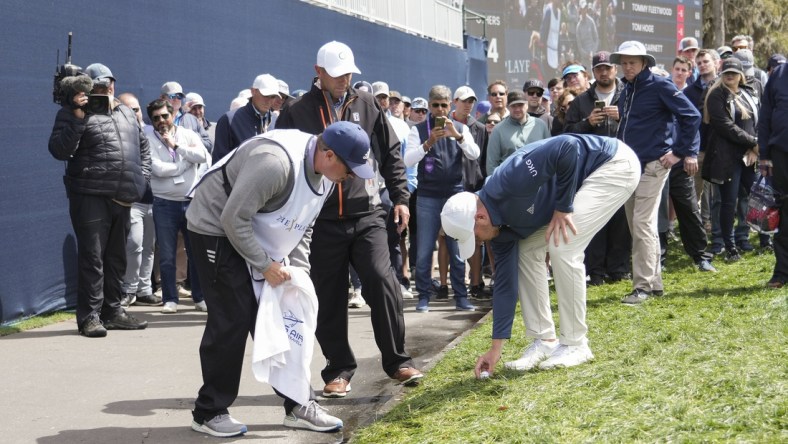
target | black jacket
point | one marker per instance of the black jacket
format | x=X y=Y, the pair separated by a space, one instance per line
x=474 y=171
x=582 y=106
x=354 y=197
x=727 y=140
x=106 y=155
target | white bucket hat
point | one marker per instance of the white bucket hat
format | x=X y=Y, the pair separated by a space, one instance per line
x=632 y=48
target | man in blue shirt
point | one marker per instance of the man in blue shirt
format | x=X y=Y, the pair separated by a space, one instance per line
x=549 y=196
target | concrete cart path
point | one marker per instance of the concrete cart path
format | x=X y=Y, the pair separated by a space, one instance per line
x=139 y=386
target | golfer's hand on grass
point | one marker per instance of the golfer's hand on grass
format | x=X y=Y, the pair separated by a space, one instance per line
x=557 y=227
x=486 y=363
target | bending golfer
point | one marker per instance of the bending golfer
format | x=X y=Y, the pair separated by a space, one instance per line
x=549 y=196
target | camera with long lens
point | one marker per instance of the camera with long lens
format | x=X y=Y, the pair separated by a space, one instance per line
x=63 y=92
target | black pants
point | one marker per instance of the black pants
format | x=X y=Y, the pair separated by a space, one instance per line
x=228 y=291
x=362 y=242
x=395 y=252
x=685 y=203
x=780 y=182
x=101 y=227
x=611 y=248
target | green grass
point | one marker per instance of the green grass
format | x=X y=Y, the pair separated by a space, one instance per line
x=36 y=322
x=707 y=362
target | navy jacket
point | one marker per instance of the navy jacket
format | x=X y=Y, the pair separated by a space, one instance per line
x=773 y=119
x=234 y=127
x=647 y=107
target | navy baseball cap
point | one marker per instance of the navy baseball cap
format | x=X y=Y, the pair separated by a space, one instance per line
x=351 y=143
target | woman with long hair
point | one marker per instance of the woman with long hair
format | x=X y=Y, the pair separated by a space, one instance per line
x=561 y=108
x=731 y=110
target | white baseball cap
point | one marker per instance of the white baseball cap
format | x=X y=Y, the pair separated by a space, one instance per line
x=171 y=88
x=457 y=219
x=194 y=99
x=284 y=88
x=337 y=59
x=379 y=88
x=266 y=84
x=464 y=93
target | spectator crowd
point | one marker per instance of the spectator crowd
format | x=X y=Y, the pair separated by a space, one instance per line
x=581 y=179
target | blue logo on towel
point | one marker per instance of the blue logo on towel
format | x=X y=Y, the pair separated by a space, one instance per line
x=290 y=322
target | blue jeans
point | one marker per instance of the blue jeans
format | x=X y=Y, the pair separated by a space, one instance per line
x=169 y=217
x=429 y=222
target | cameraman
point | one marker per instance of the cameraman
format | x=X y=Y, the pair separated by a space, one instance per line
x=108 y=166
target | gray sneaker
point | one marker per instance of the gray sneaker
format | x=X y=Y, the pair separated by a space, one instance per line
x=220 y=425
x=312 y=417
x=636 y=297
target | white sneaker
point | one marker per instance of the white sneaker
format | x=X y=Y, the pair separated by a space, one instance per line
x=567 y=356
x=182 y=291
x=222 y=425
x=537 y=352
x=406 y=294
x=356 y=301
x=201 y=306
x=170 y=307
x=312 y=417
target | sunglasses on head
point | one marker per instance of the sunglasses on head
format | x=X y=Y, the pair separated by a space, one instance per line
x=439 y=105
x=162 y=116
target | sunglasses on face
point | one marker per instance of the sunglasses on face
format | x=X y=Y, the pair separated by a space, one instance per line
x=493 y=122
x=497 y=94
x=420 y=111
x=439 y=105
x=136 y=110
x=532 y=93
x=176 y=96
x=157 y=117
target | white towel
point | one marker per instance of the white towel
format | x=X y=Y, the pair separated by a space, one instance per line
x=285 y=334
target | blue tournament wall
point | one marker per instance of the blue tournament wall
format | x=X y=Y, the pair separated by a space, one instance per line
x=214 y=48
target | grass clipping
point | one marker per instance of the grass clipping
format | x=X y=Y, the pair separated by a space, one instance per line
x=707 y=362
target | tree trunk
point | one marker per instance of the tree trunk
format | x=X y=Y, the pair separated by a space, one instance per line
x=718 y=23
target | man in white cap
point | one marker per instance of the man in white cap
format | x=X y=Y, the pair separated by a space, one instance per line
x=651 y=108
x=252 y=119
x=195 y=105
x=473 y=173
x=173 y=93
x=551 y=196
x=418 y=111
x=352 y=224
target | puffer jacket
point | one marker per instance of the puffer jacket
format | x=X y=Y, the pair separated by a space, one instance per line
x=105 y=155
x=354 y=197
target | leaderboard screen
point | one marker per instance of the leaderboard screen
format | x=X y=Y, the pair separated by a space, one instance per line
x=531 y=39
